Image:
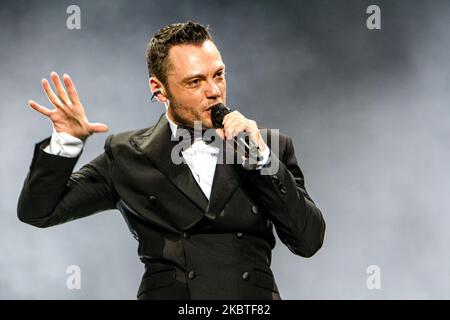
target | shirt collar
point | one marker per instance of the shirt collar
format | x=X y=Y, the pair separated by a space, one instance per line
x=173 y=126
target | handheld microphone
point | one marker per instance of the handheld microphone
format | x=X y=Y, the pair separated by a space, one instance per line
x=218 y=112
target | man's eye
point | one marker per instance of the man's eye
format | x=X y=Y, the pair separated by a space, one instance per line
x=194 y=82
x=220 y=74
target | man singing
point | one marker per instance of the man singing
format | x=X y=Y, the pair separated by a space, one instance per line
x=204 y=226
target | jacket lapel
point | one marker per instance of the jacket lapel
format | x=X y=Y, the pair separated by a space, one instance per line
x=157 y=145
x=224 y=185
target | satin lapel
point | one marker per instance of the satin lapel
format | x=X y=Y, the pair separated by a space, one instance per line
x=157 y=146
x=224 y=185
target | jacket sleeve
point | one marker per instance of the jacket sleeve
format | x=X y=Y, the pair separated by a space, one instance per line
x=52 y=194
x=298 y=221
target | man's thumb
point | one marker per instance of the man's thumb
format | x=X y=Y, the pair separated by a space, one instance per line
x=220 y=133
x=99 y=127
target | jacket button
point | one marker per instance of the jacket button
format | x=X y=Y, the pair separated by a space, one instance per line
x=275 y=179
x=245 y=276
x=152 y=200
x=191 y=274
x=254 y=209
x=186 y=235
x=239 y=235
x=283 y=189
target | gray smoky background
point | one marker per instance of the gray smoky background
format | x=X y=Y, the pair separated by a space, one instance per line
x=368 y=110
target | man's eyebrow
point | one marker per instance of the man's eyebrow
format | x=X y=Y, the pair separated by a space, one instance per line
x=196 y=75
x=201 y=75
x=221 y=68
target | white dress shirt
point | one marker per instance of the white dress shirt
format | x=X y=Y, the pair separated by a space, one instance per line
x=200 y=157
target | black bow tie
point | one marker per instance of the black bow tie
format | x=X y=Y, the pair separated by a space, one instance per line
x=187 y=132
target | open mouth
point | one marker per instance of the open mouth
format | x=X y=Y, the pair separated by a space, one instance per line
x=209 y=109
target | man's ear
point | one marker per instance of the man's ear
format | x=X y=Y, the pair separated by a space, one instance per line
x=157 y=89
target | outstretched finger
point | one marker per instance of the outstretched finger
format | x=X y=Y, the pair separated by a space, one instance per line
x=39 y=108
x=51 y=95
x=98 y=127
x=73 y=95
x=60 y=89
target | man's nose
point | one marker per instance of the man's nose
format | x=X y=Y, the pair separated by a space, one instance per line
x=213 y=90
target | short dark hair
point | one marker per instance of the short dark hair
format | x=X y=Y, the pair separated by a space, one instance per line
x=174 y=34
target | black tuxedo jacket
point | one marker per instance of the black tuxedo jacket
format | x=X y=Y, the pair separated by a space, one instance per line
x=192 y=248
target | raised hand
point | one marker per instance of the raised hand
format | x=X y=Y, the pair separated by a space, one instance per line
x=69 y=115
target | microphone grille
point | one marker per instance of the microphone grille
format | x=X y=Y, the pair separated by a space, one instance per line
x=218 y=112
